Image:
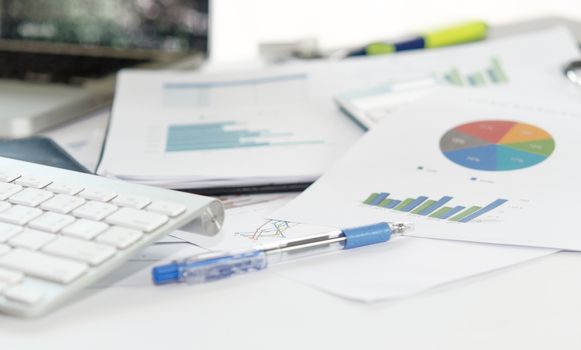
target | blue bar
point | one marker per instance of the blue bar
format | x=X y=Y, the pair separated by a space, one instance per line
x=381 y=197
x=452 y=212
x=415 y=203
x=492 y=75
x=484 y=210
x=435 y=206
x=392 y=204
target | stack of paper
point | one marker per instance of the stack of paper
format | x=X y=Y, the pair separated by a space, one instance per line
x=280 y=125
x=193 y=131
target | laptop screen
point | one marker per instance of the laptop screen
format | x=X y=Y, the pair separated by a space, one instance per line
x=167 y=25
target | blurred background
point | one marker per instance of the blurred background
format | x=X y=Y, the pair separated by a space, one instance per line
x=238 y=27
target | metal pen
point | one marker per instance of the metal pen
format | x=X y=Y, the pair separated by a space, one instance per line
x=214 y=266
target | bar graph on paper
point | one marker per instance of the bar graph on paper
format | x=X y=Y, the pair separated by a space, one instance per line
x=493 y=74
x=227 y=135
x=437 y=208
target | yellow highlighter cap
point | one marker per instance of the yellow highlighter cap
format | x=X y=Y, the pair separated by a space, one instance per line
x=457 y=34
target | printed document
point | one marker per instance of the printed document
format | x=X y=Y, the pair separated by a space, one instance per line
x=461 y=165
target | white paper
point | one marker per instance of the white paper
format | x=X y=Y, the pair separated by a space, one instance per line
x=289 y=109
x=406 y=157
x=193 y=130
x=402 y=267
x=505 y=64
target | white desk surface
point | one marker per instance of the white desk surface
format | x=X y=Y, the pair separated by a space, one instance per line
x=536 y=305
x=531 y=306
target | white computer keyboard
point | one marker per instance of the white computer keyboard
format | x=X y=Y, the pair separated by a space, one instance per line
x=61 y=230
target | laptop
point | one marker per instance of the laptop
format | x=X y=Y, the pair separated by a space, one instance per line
x=58 y=58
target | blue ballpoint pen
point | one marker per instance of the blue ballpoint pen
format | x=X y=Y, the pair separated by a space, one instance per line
x=219 y=265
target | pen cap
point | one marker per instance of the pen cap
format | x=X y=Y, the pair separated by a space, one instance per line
x=455 y=35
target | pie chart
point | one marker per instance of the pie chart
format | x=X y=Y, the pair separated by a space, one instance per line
x=497 y=145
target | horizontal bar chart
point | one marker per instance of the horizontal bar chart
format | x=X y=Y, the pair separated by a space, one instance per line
x=226 y=135
x=434 y=208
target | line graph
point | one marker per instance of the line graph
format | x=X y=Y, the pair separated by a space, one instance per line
x=269 y=229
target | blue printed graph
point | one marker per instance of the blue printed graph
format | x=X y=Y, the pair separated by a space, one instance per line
x=226 y=135
x=434 y=208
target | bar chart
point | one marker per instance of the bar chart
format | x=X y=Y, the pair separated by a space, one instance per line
x=494 y=74
x=226 y=135
x=434 y=208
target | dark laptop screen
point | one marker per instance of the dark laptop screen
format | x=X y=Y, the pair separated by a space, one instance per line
x=168 y=25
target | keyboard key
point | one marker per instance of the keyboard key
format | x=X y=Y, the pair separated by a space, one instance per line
x=137 y=219
x=4 y=205
x=31 y=181
x=95 y=210
x=85 y=229
x=119 y=237
x=7 y=190
x=61 y=188
x=8 y=177
x=24 y=294
x=62 y=203
x=31 y=239
x=10 y=276
x=85 y=251
x=97 y=194
x=19 y=215
x=171 y=209
x=51 y=222
x=30 y=197
x=7 y=231
x=4 y=249
x=43 y=266
x=131 y=201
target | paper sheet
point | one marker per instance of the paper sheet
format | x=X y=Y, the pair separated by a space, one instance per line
x=279 y=125
x=505 y=64
x=400 y=268
x=463 y=166
x=221 y=129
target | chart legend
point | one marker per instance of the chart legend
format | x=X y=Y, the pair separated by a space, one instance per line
x=435 y=208
x=497 y=145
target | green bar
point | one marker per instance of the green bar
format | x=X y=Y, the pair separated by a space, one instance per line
x=500 y=74
x=471 y=80
x=403 y=204
x=370 y=198
x=423 y=206
x=455 y=78
x=440 y=211
x=384 y=202
x=465 y=213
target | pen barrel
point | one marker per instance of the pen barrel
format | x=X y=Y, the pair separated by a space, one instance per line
x=201 y=271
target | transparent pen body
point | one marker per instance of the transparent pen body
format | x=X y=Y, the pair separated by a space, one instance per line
x=215 y=266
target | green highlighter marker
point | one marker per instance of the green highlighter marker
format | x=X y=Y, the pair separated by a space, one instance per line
x=458 y=34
